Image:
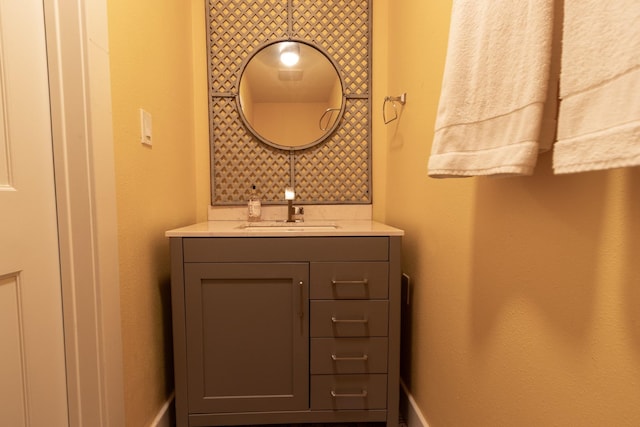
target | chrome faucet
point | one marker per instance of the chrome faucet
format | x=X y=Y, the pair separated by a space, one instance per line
x=292 y=211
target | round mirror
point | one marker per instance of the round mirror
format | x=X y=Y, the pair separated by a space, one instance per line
x=290 y=95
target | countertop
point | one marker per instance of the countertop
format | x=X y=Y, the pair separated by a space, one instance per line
x=273 y=229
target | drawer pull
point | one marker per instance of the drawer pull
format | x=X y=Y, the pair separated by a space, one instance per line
x=337 y=358
x=336 y=320
x=364 y=282
x=334 y=394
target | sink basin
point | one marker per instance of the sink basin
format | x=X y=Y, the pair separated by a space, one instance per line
x=287 y=226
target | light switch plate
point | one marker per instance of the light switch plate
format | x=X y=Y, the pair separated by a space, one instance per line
x=145 y=127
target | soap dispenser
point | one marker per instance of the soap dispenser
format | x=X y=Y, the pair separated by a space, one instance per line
x=254 y=206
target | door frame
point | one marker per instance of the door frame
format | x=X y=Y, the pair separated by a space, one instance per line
x=80 y=96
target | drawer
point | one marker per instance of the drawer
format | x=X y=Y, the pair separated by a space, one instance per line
x=285 y=249
x=349 y=280
x=349 y=355
x=348 y=392
x=331 y=318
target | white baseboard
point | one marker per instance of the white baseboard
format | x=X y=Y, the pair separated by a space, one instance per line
x=165 y=417
x=409 y=409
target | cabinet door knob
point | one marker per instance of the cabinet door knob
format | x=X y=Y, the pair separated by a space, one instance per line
x=301 y=312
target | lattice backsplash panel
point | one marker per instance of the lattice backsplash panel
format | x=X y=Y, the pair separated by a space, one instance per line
x=341 y=28
x=239 y=160
x=338 y=171
x=236 y=28
x=335 y=171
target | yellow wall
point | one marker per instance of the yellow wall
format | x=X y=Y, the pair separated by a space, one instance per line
x=526 y=290
x=151 y=68
x=201 y=109
x=526 y=301
x=380 y=89
x=289 y=124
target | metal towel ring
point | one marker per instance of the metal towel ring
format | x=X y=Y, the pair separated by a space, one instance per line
x=330 y=112
x=402 y=99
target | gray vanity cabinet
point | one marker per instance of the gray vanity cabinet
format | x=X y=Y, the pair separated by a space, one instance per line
x=283 y=330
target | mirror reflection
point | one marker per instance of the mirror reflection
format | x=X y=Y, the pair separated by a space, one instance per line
x=290 y=95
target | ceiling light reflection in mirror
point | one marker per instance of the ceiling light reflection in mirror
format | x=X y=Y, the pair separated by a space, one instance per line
x=289 y=54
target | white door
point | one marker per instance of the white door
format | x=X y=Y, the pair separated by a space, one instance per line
x=32 y=366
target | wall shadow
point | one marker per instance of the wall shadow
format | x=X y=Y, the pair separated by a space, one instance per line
x=631 y=267
x=162 y=262
x=406 y=329
x=535 y=240
x=164 y=288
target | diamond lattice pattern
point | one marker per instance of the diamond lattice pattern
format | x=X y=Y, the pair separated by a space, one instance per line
x=336 y=171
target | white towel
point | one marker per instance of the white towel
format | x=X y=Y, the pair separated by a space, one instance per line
x=494 y=89
x=599 y=116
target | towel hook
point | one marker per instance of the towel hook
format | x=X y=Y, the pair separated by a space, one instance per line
x=402 y=99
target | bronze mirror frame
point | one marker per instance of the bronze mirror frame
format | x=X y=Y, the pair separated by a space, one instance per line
x=333 y=120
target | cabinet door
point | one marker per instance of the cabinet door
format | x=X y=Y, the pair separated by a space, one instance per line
x=247 y=336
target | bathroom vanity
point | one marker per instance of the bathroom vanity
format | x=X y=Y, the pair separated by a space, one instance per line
x=278 y=324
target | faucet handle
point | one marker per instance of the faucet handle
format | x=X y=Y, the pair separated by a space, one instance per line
x=297 y=214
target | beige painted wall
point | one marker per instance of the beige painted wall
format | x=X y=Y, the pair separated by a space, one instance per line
x=526 y=290
x=201 y=110
x=151 y=68
x=524 y=309
x=380 y=89
x=301 y=120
